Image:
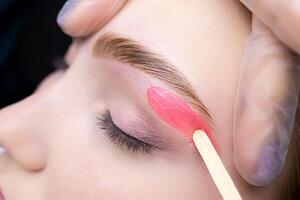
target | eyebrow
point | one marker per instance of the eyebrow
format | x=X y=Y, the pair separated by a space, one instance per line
x=112 y=46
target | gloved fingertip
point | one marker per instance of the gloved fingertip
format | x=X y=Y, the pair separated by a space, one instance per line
x=65 y=11
x=82 y=18
x=269 y=165
x=262 y=138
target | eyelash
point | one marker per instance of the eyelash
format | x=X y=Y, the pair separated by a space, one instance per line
x=119 y=137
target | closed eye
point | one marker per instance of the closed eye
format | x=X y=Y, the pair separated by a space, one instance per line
x=120 y=138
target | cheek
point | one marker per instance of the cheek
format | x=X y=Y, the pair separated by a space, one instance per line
x=84 y=166
x=159 y=179
x=78 y=170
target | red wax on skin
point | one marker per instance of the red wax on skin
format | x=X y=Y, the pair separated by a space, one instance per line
x=177 y=113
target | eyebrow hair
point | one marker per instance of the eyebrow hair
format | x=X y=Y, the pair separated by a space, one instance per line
x=128 y=51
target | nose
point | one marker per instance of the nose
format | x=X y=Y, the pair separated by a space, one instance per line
x=20 y=135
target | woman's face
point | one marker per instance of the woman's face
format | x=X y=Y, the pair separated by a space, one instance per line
x=89 y=133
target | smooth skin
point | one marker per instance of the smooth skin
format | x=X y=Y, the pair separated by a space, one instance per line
x=55 y=148
x=268 y=89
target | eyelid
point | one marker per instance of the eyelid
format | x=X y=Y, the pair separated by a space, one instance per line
x=151 y=138
x=139 y=128
x=121 y=138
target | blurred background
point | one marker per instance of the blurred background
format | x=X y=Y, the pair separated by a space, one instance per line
x=30 y=41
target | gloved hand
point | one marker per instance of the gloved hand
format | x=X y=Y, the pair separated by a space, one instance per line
x=268 y=90
x=79 y=18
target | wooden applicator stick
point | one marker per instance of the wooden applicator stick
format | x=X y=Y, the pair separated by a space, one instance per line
x=180 y=116
x=215 y=166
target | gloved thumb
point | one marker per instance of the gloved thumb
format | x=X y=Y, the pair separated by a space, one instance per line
x=79 y=18
x=265 y=108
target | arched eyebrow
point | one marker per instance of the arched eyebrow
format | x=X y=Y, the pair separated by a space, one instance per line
x=128 y=51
